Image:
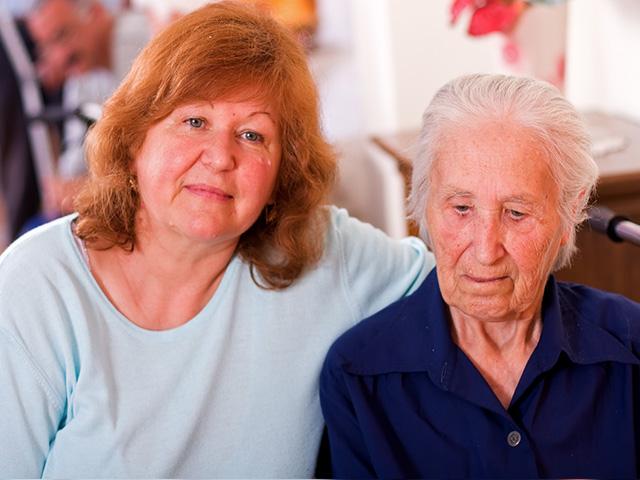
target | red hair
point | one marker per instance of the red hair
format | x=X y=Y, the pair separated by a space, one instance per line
x=212 y=53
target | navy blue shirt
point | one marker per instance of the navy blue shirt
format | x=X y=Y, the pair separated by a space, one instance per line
x=402 y=400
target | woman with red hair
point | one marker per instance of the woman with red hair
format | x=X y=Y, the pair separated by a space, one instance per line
x=176 y=325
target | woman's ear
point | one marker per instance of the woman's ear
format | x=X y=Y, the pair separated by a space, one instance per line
x=576 y=211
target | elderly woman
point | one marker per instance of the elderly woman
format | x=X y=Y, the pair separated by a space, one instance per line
x=176 y=326
x=492 y=368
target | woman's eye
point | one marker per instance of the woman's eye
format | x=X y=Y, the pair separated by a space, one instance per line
x=195 y=122
x=252 y=136
x=515 y=214
x=462 y=209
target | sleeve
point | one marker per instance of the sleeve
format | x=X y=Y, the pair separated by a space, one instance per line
x=349 y=455
x=31 y=409
x=378 y=270
x=30 y=413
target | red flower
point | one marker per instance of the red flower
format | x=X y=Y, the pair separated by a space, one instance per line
x=489 y=15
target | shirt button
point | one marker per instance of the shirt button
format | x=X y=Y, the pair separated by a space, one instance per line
x=513 y=439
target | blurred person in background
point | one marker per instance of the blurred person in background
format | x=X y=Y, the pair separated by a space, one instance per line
x=77 y=36
x=24 y=143
x=85 y=49
x=176 y=325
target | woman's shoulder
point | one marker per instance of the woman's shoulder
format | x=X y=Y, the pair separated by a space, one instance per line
x=599 y=303
x=38 y=276
x=353 y=236
x=42 y=260
x=394 y=338
x=39 y=248
x=43 y=278
x=619 y=316
x=375 y=270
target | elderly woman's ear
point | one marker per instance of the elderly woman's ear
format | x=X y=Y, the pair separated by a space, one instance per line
x=578 y=215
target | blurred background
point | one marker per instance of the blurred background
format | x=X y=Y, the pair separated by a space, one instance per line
x=377 y=64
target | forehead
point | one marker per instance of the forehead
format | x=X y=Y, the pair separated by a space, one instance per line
x=51 y=16
x=250 y=95
x=494 y=157
x=56 y=11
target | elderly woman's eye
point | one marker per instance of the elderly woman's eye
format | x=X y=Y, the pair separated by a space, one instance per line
x=515 y=214
x=195 y=122
x=462 y=209
x=252 y=136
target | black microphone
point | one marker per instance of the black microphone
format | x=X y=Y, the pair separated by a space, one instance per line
x=617 y=227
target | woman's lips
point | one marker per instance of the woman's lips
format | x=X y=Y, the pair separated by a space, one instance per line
x=208 y=191
x=486 y=279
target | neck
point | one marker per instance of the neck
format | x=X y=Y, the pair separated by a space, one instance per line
x=499 y=350
x=160 y=285
x=180 y=261
x=515 y=332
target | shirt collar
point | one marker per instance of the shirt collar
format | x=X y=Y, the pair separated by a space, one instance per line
x=571 y=324
x=417 y=336
x=414 y=337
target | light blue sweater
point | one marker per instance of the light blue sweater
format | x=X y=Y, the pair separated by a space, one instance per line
x=232 y=393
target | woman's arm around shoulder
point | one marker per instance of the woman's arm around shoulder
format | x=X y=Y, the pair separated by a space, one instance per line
x=377 y=269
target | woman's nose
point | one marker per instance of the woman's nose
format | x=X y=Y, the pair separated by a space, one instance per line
x=218 y=152
x=488 y=239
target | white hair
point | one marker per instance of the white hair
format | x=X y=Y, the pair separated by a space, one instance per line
x=532 y=104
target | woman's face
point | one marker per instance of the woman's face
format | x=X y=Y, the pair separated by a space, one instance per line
x=493 y=221
x=206 y=171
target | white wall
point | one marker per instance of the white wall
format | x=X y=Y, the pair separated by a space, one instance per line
x=379 y=78
x=427 y=52
x=334 y=69
x=397 y=54
x=401 y=51
x=603 y=56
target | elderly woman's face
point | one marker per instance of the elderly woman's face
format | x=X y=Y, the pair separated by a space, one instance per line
x=493 y=221
x=207 y=170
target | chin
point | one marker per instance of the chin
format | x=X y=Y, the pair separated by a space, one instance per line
x=495 y=315
x=202 y=231
x=487 y=309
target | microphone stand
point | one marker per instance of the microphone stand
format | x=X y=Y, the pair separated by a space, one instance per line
x=617 y=227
